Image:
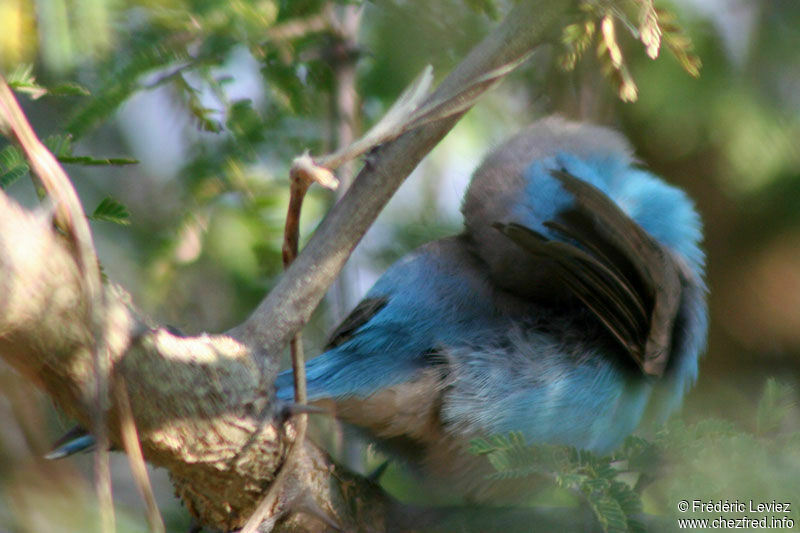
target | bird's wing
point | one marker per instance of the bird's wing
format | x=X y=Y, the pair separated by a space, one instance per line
x=363 y=313
x=432 y=297
x=628 y=280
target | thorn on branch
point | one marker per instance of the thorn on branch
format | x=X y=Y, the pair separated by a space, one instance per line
x=376 y=474
x=305 y=503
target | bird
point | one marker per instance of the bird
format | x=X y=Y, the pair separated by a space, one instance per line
x=570 y=309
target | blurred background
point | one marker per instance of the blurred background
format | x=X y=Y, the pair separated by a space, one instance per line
x=214 y=98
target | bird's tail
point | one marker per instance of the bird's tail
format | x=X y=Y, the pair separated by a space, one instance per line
x=284 y=385
x=74 y=441
x=327 y=375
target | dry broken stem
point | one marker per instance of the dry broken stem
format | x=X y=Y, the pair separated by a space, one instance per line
x=302 y=175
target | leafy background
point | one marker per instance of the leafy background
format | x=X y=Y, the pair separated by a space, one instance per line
x=177 y=120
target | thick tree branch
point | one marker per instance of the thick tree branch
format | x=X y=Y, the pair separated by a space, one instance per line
x=70 y=217
x=195 y=400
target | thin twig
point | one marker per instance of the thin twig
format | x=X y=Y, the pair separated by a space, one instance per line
x=133 y=448
x=70 y=217
x=302 y=176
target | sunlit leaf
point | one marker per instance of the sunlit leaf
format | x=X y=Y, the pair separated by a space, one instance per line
x=649 y=30
x=610 y=56
x=678 y=43
x=610 y=41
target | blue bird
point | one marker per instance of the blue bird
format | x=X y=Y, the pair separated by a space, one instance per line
x=571 y=309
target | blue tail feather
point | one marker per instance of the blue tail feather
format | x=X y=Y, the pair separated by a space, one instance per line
x=76 y=441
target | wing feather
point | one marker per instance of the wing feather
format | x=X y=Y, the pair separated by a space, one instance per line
x=630 y=282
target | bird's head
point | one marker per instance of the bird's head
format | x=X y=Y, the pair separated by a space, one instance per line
x=579 y=219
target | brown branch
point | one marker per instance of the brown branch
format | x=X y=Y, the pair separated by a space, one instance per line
x=130 y=441
x=70 y=217
x=196 y=400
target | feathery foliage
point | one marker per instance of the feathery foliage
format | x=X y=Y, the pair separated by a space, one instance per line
x=21 y=79
x=639 y=485
x=111 y=210
x=12 y=166
x=596 y=25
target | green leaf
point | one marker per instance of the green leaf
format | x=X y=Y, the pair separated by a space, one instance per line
x=22 y=75
x=596 y=485
x=609 y=511
x=194 y=106
x=119 y=85
x=91 y=161
x=641 y=454
x=111 y=210
x=628 y=499
x=481 y=447
x=678 y=43
x=773 y=408
x=68 y=89
x=61 y=147
x=576 y=38
x=12 y=166
x=22 y=80
x=570 y=480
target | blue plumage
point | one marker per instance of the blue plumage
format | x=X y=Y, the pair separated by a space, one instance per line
x=541 y=317
x=443 y=309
